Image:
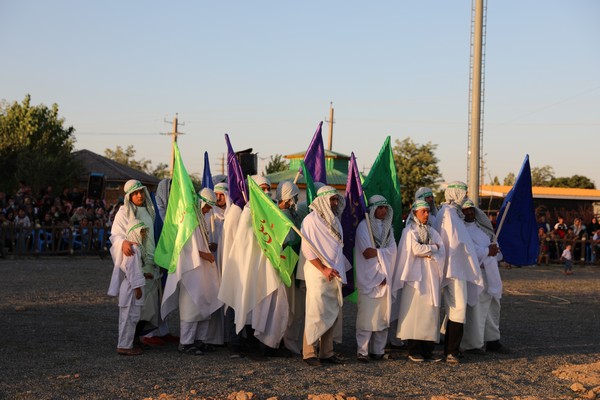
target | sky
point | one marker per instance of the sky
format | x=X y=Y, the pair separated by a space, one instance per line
x=265 y=72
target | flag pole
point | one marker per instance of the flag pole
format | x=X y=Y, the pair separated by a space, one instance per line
x=370 y=229
x=497 y=233
x=297 y=177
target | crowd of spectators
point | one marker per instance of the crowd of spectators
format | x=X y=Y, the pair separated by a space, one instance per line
x=583 y=238
x=54 y=222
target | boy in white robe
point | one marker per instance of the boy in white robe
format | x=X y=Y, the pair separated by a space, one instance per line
x=324 y=272
x=138 y=205
x=461 y=266
x=194 y=285
x=421 y=257
x=375 y=259
x=482 y=326
x=127 y=282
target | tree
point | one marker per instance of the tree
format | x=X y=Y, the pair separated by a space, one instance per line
x=510 y=179
x=276 y=164
x=496 y=181
x=417 y=166
x=541 y=176
x=126 y=157
x=576 y=181
x=35 y=147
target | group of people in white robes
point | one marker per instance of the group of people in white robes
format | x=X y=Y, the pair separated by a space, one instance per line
x=226 y=290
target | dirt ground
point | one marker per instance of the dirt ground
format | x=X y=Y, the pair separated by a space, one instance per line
x=58 y=335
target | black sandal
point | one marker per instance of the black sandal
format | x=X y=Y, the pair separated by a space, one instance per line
x=189 y=349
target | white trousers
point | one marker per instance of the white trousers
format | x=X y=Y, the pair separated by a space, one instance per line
x=128 y=318
x=192 y=331
x=482 y=323
x=455 y=298
x=371 y=342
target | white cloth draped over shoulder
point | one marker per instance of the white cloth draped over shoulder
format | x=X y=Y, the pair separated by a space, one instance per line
x=489 y=263
x=461 y=255
x=374 y=299
x=250 y=283
x=199 y=279
x=323 y=298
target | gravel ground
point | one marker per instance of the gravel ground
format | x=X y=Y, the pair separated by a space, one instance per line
x=59 y=333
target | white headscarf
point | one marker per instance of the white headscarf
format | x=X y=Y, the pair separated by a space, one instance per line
x=382 y=238
x=131 y=186
x=134 y=234
x=322 y=206
x=206 y=197
x=482 y=221
x=456 y=195
x=162 y=196
x=423 y=192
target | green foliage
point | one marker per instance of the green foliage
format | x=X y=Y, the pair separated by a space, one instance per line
x=276 y=164
x=417 y=166
x=544 y=176
x=126 y=157
x=35 y=147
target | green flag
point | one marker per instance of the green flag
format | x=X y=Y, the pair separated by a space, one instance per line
x=270 y=227
x=383 y=180
x=181 y=218
x=311 y=192
x=289 y=258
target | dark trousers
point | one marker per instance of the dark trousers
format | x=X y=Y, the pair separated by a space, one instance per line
x=454 y=334
x=420 y=347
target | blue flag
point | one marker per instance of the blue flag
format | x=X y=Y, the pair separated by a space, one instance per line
x=207 y=181
x=517 y=229
x=353 y=214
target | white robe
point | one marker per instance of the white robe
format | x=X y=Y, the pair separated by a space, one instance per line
x=374 y=300
x=127 y=275
x=461 y=256
x=420 y=270
x=250 y=283
x=194 y=285
x=323 y=298
x=118 y=234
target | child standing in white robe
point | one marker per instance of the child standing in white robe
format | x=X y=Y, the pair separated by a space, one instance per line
x=127 y=282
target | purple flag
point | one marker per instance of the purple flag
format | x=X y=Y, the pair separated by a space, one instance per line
x=207 y=176
x=238 y=191
x=354 y=212
x=314 y=158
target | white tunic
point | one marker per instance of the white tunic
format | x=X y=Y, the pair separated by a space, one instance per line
x=461 y=256
x=323 y=298
x=194 y=285
x=420 y=268
x=374 y=299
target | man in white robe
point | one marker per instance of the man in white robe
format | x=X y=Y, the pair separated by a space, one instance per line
x=461 y=266
x=127 y=283
x=482 y=327
x=421 y=257
x=194 y=285
x=375 y=259
x=252 y=287
x=137 y=205
x=324 y=270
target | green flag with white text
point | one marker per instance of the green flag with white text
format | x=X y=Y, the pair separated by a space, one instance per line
x=181 y=218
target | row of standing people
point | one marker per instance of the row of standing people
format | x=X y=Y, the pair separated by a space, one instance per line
x=224 y=285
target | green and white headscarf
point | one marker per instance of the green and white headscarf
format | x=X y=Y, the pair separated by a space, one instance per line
x=322 y=206
x=422 y=229
x=206 y=197
x=382 y=239
x=131 y=186
x=134 y=234
x=456 y=195
x=423 y=192
x=482 y=220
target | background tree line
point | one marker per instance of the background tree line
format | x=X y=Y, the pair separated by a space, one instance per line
x=36 y=148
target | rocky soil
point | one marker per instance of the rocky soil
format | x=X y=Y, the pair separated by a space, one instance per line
x=58 y=333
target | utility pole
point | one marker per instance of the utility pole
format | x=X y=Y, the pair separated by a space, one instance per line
x=222 y=163
x=330 y=122
x=174 y=135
